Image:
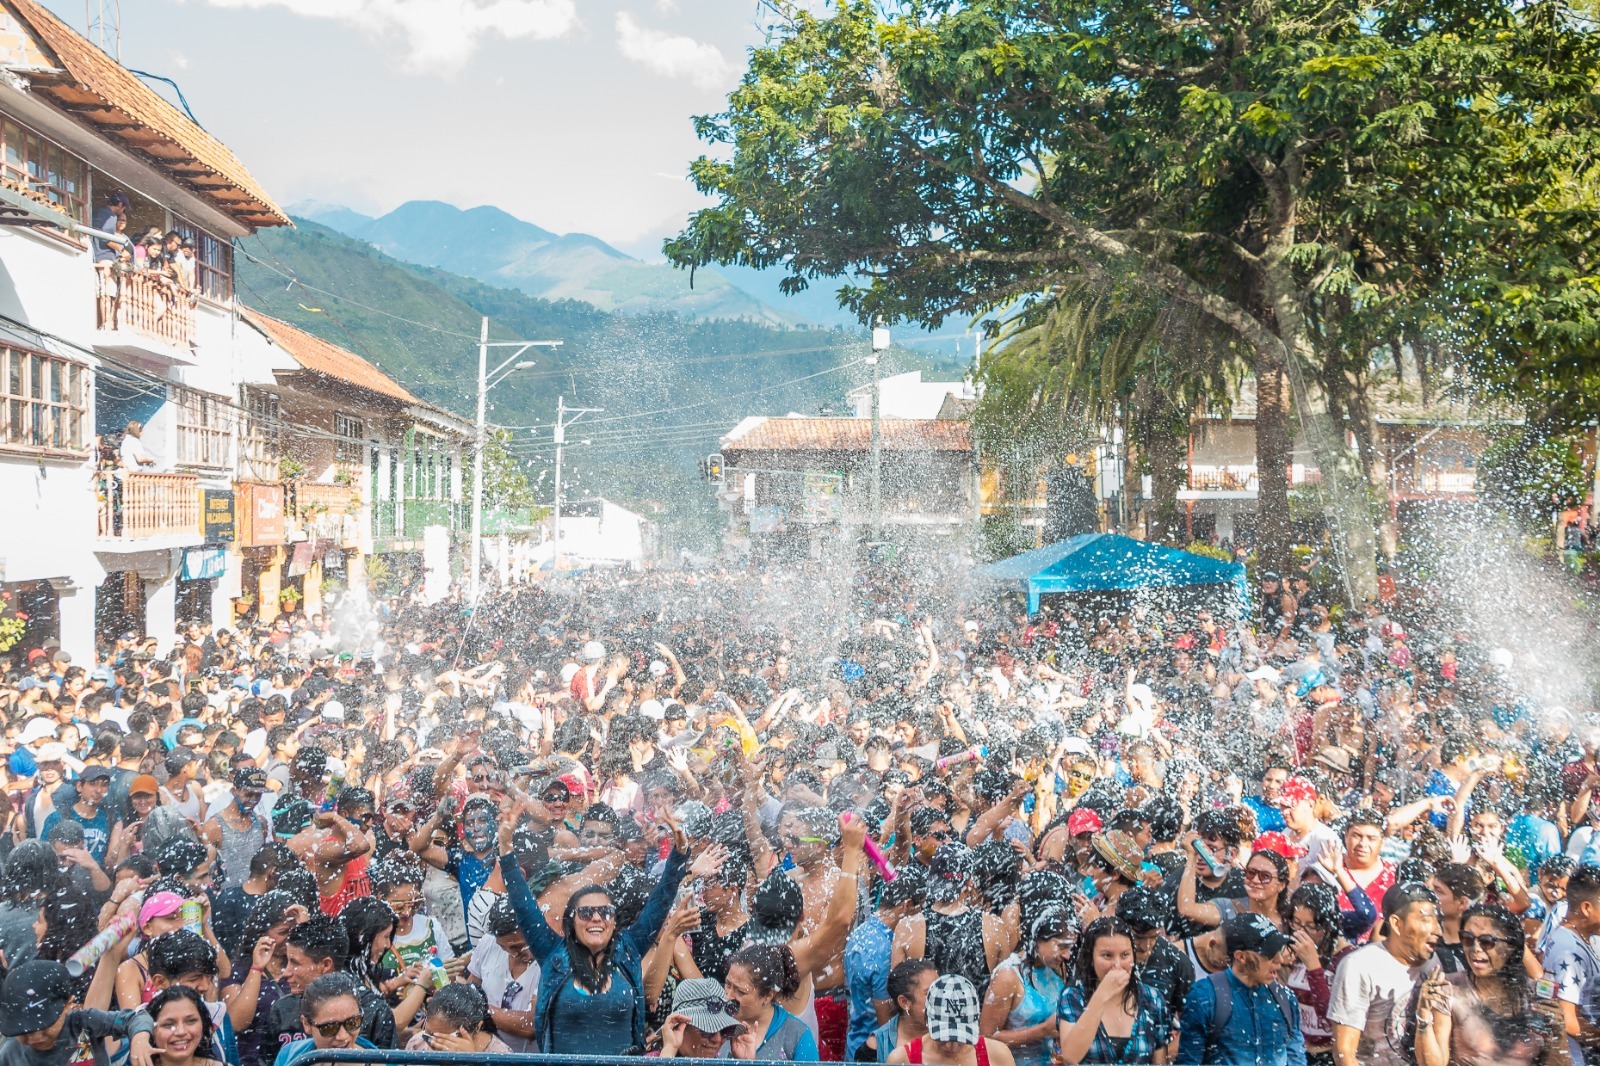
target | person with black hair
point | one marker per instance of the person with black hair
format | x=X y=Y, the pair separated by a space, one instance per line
x=1019 y=1008
x=1570 y=961
x=233 y=904
x=316 y=948
x=1107 y=1013
x=908 y=991
x=1319 y=945
x=32 y=874
x=591 y=979
x=184 y=1033
x=1243 y=1016
x=273 y=915
x=1489 y=1014
x=1370 y=1001
x=332 y=1016
x=867 y=956
x=503 y=966
x=1162 y=965
x=458 y=1019
x=758 y=977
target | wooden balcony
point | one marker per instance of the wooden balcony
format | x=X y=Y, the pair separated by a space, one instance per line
x=145 y=506
x=327 y=511
x=133 y=309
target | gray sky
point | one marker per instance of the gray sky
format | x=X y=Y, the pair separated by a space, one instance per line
x=572 y=114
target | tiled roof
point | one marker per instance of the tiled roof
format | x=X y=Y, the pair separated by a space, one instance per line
x=100 y=92
x=847 y=435
x=329 y=360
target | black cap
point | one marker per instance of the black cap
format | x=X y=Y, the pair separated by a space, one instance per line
x=1253 y=932
x=1403 y=895
x=33 y=997
x=178 y=758
x=778 y=903
x=95 y=773
x=249 y=777
x=311 y=760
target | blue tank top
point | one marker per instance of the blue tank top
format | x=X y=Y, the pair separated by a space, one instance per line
x=586 y=1023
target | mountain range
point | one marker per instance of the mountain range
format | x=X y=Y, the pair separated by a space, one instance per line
x=497 y=248
x=670 y=385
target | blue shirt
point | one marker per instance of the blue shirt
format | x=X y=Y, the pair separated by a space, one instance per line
x=1256 y=1033
x=1537 y=838
x=299 y=1049
x=866 y=972
x=1268 y=818
x=96 y=830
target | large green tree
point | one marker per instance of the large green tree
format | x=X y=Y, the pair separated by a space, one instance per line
x=1318 y=177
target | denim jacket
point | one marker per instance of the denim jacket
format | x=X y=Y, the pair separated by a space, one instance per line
x=1257 y=1033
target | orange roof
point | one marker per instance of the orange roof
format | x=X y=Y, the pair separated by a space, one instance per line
x=848 y=435
x=101 y=93
x=329 y=360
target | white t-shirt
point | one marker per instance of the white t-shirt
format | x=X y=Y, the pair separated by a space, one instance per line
x=415 y=943
x=492 y=967
x=1371 y=990
x=1316 y=839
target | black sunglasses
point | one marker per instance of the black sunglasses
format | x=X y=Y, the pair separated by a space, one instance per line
x=606 y=912
x=329 y=1030
x=1485 y=942
x=721 y=1006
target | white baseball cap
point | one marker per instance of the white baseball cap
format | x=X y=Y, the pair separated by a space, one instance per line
x=653 y=709
x=333 y=710
x=593 y=652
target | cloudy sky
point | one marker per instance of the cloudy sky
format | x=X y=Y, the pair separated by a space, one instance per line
x=572 y=114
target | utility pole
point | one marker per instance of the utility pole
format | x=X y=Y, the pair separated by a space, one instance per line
x=880 y=343
x=562 y=411
x=480 y=436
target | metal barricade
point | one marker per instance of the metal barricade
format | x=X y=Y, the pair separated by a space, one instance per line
x=362 y=1056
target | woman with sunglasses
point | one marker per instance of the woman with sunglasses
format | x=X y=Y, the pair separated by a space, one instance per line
x=591 y=997
x=330 y=1013
x=1266 y=891
x=1487 y=1014
x=184 y=1029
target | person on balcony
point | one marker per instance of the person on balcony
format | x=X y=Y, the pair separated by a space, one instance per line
x=112 y=217
x=135 y=457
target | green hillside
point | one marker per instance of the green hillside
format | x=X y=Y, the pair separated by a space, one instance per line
x=669 y=387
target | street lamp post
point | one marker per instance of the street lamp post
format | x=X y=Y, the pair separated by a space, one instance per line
x=880 y=343
x=486 y=381
x=562 y=411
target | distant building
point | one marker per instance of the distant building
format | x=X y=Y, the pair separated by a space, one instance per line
x=599 y=532
x=794 y=485
x=908 y=396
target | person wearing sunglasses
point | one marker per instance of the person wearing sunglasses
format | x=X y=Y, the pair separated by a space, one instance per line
x=591 y=997
x=702 y=1021
x=1488 y=1012
x=331 y=1015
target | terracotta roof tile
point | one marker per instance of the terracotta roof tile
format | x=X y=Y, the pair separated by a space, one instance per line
x=848 y=434
x=329 y=360
x=98 y=91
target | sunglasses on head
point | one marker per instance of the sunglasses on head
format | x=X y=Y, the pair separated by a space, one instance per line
x=1485 y=941
x=720 y=1006
x=605 y=912
x=329 y=1030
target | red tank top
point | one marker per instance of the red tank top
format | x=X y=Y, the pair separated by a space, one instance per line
x=914 y=1051
x=356 y=883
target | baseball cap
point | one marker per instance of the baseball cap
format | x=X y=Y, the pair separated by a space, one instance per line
x=333 y=711
x=574 y=784
x=55 y=751
x=144 y=784
x=1253 y=932
x=652 y=709
x=33 y=997
x=1084 y=820
x=103 y=673
x=249 y=777
x=95 y=773
x=1403 y=895
x=36 y=730
x=1265 y=673
x=178 y=758
x=953 y=1010
x=703 y=1001
x=593 y=652
x=160 y=905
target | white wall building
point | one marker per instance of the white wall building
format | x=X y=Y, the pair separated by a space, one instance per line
x=907 y=396
x=600 y=532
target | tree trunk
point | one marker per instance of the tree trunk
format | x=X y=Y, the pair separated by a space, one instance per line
x=1273 y=455
x=1165 y=436
x=1344 y=495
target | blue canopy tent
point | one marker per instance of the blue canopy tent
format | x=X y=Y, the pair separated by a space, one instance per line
x=1108 y=562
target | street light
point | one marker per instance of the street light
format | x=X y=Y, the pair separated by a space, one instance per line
x=880 y=343
x=480 y=437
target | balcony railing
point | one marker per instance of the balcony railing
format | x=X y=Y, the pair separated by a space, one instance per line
x=1243 y=478
x=406 y=519
x=148 y=505
x=1445 y=481
x=325 y=510
x=145 y=304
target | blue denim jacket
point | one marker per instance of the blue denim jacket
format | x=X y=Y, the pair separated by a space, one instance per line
x=1256 y=1033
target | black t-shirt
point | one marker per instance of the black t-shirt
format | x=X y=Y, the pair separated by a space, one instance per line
x=230 y=908
x=1169 y=972
x=377 y=1020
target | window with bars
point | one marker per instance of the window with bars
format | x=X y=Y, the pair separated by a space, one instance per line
x=213 y=256
x=205 y=428
x=349 y=445
x=45 y=172
x=44 y=402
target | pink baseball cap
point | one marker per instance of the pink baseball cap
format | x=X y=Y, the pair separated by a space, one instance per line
x=160 y=905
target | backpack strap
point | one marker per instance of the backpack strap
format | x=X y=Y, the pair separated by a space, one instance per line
x=1221 y=1005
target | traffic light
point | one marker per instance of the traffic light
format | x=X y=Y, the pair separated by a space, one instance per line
x=713 y=467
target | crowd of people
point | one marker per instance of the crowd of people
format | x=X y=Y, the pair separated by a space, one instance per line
x=162 y=262
x=789 y=816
